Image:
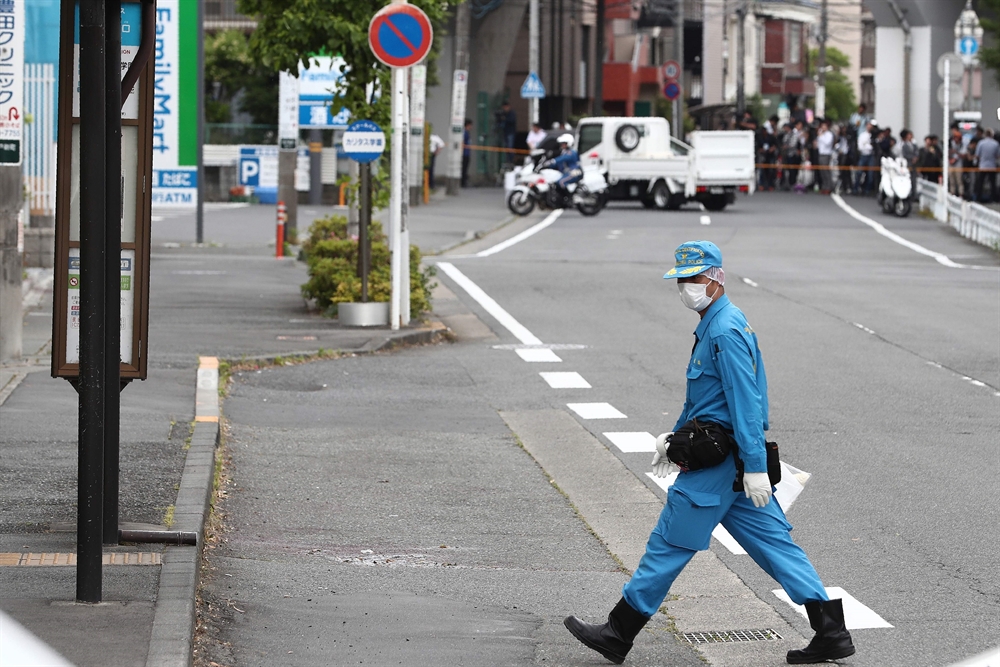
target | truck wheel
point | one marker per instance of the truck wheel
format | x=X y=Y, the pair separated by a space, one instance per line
x=661 y=195
x=648 y=202
x=627 y=138
x=715 y=202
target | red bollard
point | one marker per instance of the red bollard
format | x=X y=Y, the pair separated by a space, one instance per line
x=279 y=245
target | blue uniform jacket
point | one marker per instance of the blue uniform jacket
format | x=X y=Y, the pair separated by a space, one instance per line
x=567 y=161
x=726 y=382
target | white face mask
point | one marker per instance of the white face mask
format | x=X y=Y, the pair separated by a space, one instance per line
x=694 y=295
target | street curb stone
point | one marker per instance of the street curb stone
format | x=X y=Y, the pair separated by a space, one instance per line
x=171 y=640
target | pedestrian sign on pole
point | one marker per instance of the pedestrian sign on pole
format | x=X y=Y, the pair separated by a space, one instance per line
x=400 y=35
x=532 y=88
x=671 y=69
x=364 y=141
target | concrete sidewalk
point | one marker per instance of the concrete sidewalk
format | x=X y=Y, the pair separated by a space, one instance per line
x=230 y=300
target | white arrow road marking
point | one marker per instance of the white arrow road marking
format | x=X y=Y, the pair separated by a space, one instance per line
x=534 y=354
x=856 y=615
x=530 y=231
x=596 y=411
x=630 y=442
x=990 y=658
x=492 y=307
x=565 y=380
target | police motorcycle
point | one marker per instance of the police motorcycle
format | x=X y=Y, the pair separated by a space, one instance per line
x=895 y=187
x=537 y=183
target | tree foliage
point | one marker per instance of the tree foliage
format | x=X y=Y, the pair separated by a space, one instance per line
x=289 y=31
x=235 y=82
x=840 y=102
x=989 y=54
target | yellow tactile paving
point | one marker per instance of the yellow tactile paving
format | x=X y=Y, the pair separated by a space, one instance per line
x=66 y=559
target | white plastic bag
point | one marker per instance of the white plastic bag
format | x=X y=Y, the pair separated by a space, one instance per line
x=792 y=482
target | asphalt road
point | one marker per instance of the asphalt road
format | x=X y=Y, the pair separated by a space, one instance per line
x=387 y=494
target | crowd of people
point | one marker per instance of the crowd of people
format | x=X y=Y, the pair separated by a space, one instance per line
x=846 y=157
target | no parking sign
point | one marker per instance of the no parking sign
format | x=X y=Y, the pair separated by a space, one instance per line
x=400 y=35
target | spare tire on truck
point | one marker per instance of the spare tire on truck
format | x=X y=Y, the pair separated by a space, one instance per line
x=627 y=138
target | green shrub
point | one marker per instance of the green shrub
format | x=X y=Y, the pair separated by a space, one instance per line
x=332 y=258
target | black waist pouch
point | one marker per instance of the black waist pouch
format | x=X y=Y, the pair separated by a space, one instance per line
x=697 y=445
x=773 y=467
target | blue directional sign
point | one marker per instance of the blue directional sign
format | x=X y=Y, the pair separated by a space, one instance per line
x=532 y=87
x=968 y=46
x=363 y=141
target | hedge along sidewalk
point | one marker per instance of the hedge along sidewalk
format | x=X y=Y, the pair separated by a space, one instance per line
x=170 y=643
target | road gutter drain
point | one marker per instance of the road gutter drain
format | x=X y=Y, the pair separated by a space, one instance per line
x=723 y=636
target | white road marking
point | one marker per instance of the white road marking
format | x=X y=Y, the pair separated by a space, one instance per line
x=705 y=220
x=990 y=658
x=863 y=328
x=596 y=411
x=750 y=282
x=492 y=307
x=856 y=615
x=198 y=273
x=530 y=231
x=534 y=354
x=630 y=442
x=892 y=236
x=728 y=541
x=663 y=482
x=565 y=380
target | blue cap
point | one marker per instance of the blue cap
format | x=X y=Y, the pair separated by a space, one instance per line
x=693 y=257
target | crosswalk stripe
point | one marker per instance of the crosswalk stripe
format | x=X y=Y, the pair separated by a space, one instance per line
x=565 y=380
x=630 y=442
x=596 y=411
x=856 y=615
x=534 y=354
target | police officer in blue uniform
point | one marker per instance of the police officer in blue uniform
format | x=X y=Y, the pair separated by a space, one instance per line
x=726 y=386
x=568 y=162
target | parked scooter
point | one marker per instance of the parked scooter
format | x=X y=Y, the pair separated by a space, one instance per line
x=538 y=185
x=895 y=187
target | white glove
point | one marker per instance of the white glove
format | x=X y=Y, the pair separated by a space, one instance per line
x=662 y=466
x=757 y=487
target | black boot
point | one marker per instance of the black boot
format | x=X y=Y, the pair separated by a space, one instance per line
x=832 y=640
x=613 y=639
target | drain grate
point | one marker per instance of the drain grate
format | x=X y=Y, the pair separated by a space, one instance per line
x=731 y=636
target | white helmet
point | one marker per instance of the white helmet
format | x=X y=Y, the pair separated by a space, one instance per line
x=566 y=139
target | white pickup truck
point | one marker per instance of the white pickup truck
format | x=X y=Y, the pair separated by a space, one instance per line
x=641 y=161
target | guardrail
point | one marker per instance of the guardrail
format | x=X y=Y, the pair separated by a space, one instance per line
x=973 y=221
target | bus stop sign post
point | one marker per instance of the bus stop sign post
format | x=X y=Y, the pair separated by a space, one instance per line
x=400 y=36
x=364 y=142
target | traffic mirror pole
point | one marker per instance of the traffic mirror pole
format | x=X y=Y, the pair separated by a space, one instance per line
x=93 y=274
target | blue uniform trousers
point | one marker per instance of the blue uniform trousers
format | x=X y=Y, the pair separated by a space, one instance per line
x=696 y=503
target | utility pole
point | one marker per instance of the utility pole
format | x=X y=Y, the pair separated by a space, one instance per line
x=907 y=51
x=599 y=61
x=533 y=52
x=463 y=21
x=821 y=64
x=741 y=94
x=11 y=193
x=678 y=109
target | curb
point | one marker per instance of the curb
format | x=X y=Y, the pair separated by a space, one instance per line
x=171 y=640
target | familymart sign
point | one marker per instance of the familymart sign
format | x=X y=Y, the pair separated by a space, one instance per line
x=175 y=104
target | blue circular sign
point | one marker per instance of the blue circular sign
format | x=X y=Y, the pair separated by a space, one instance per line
x=363 y=141
x=672 y=90
x=400 y=35
x=968 y=46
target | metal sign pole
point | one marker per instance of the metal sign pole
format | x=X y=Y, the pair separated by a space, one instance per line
x=364 y=245
x=945 y=134
x=396 y=190
x=90 y=493
x=112 y=258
